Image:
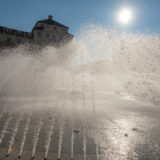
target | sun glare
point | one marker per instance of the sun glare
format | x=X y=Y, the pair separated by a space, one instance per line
x=125 y=16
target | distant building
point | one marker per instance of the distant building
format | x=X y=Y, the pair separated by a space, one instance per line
x=44 y=32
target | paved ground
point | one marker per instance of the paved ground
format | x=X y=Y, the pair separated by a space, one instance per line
x=110 y=132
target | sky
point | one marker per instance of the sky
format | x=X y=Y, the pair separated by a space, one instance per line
x=23 y=14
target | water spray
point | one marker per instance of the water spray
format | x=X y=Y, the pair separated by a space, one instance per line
x=83 y=92
x=24 y=135
x=2 y=113
x=92 y=95
x=5 y=127
x=72 y=121
x=72 y=142
x=14 y=134
x=36 y=137
x=84 y=144
x=48 y=141
x=61 y=131
x=97 y=153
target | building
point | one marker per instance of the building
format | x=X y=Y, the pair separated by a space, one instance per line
x=44 y=32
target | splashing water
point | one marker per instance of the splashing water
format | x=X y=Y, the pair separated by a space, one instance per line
x=72 y=142
x=36 y=136
x=84 y=144
x=49 y=137
x=93 y=96
x=14 y=134
x=97 y=154
x=83 y=92
x=115 y=61
x=25 y=134
x=2 y=113
x=108 y=69
x=5 y=127
x=72 y=120
x=60 y=140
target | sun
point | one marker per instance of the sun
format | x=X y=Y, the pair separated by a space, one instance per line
x=125 y=16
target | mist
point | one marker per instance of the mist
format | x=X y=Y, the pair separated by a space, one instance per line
x=104 y=62
x=96 y=97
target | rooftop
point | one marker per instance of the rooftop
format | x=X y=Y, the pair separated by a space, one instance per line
x=51 y=21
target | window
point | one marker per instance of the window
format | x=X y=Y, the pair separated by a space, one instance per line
x=9 y=31
x=19 y=41
x=8 y=40
x=20 y=34
x=54 y=28
x=1 y=29
x=47 y=36
x=39 y=34
x=28 y=35
x=54 y=38
x=41 y=25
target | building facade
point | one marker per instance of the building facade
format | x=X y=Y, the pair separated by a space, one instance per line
x=43 y=33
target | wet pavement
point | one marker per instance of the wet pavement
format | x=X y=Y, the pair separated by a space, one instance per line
x=122 y=132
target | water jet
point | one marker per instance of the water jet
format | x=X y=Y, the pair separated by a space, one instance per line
x=81 y=117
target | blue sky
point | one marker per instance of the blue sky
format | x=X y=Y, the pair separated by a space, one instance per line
x=22 y=14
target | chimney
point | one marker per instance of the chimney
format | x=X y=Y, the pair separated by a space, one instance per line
x=50 y=17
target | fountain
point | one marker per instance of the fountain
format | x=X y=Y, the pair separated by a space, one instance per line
x=72 y=144
x=5 y=127
x=49 y=137
x=36 y=137
x=61 y=132
x=80 y=101
x=84 y=145
x=11 y=142
x=24 y=136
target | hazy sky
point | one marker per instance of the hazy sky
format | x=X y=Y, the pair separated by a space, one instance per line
x=22 y=14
